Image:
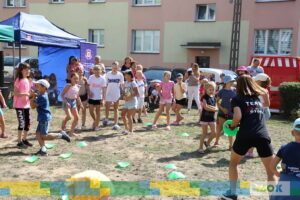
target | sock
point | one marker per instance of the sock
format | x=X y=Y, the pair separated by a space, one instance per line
x=59 y=135
x=43 y=149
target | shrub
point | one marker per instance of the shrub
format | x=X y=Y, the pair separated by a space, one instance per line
x=290 y=98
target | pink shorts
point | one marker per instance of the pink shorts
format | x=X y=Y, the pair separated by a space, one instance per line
x=165 y=101
x=207 y=123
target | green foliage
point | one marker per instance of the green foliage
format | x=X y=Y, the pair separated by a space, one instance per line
x=290 y=98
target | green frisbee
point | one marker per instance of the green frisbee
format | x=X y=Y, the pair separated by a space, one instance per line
x=229 y=132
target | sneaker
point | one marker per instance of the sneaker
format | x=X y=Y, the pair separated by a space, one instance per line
x=216 y=145
x=21 y=145
x=105 y=122
x=26 y=142
x=168 y=128
x=228 y=197
x=175 y=123
x=249 y=155
x=126 y=132
x=154 y=126
x=116 y=127
x=97 y=128
x=65 y=137
x=41 y=153
x=201 y=151
x=140 y=121
x=3 y=135
x=78 y=127
x=84 y=128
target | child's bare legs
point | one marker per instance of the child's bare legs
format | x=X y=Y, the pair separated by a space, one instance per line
x=97 y=120
x=91 y=109
x=20 y=135
x=40 y=139
x=203 y=135
x=75 y=121
x=2 y=124
x=130 y=114
x=123 y=114
x=67 y=118
x=145 y=111
x=116 y=112
x=212 y=127
x=160 y=110
x=83 y=117
x=230 y=139
x=107 y=107
x=219 y=129
x=168 y=107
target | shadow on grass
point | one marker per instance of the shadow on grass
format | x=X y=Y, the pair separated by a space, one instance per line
x=97 y=138
x=14 y=153
x=182 y=156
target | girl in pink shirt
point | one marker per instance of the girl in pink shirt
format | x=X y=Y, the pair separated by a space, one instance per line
x=166 y=92
x=70 y=96
x=22 y=91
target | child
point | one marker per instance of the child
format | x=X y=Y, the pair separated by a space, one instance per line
x=2 y=122
x=53 y=91
x=41 y=103
x=114 y=82
x=22 y=90
x=180 y=89
x=166 y=92
x=96 y=94
x=130 y=105
x=70 y=96
x=208 y=115
x=83 y=94
x=224 y=104
x=142 y=86
x=289 y=155
x=203 y=82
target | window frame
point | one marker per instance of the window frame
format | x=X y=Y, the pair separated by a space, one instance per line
x=134 y=4
x=90 y=37
x=97 y=1
x=59 y=2
x=270 y=1
x=5 y=2
x=133 y=43
x=207 y=13
x=279 y=52
x=7 y=46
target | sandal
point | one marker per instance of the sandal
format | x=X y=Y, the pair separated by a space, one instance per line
x=3 y=135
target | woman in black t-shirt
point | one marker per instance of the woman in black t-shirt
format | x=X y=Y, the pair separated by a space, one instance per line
x=249 y=115
x=127 y=64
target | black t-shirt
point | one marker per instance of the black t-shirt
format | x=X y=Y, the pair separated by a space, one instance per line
x=252 y=124
x=290 y=155
x=124 y=68
x=208 y=116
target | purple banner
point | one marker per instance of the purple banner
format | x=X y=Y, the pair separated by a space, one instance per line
x=88 y=51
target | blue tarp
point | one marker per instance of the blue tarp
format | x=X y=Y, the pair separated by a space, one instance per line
x=55 y=60
x=38 y=31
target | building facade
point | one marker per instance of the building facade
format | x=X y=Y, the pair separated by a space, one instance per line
x=171 y=33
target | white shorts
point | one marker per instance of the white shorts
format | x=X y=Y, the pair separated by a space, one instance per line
x=141 y=102
x=112 y=99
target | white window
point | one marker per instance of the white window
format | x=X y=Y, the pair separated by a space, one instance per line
x=57 y=1
x=272 y=0
x=10 y=45
x=146 y=41
x=15 y=3
x=97 y=1
x=146 y=2
x=273 y=42
x=97 y=36
x=206 y=12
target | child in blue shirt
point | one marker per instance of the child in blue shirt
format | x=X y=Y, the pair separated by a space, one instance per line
x=40 y=101
x=289 y=155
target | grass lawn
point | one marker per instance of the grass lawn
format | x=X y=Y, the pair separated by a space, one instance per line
x=147 y=150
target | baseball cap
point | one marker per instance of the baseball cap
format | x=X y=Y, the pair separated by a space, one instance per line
x=261 y=77
x=296 y=125
x=222 y=75
x=228 y=79
x=43 y=82
x=179 y=75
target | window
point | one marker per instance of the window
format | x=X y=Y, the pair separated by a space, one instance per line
x=97 y=1
x=146 y=2
x=272 y=0
x=273 y=42
x=10 y=45
x=97 y=36
x=15 y=3
x=146 y=41
x=206 y=12
x=57 y=1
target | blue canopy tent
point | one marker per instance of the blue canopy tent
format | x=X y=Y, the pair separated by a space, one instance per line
x=55 y=44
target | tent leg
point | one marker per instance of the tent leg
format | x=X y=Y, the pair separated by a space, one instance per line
x=14 y=61
x=20 y=52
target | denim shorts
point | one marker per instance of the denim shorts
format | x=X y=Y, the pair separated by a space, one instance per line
x=72 y=103
x=1 y=112
x=43 y=128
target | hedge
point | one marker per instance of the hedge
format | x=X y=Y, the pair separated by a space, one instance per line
x=290 y=98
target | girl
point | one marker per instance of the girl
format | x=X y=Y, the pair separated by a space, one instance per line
x=134 y=68
x=264 y=81
x=70 y=97
x=203 y=82
x=193 y=78
x=114 y=82
x=142 y=86
x=224 y=104
x=208 y=115
x=22 y=90
x=83 y=94
x=140 y=67
x=166 y=91
x=130 y=105
x=53 y=91
x=2 y=122
x=180 y=89
x=73 y=61
x=249 y=115
x=241 y=71
x=96 y=95
x=127 y=64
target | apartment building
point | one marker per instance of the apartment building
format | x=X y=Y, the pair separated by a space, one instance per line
x=172 y=33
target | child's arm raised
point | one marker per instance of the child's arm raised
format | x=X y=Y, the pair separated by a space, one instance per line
x=62 y=95
x=273 y=166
